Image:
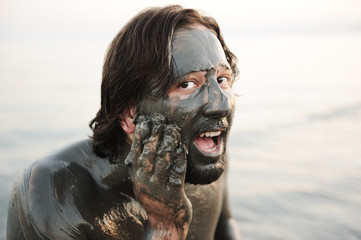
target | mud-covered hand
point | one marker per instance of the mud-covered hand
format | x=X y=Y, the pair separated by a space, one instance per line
x=158 y=165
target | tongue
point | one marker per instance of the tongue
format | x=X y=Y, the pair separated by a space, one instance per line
x=204 y=143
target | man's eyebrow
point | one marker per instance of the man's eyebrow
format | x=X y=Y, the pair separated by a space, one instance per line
x=182 y=78
x=185 y=76
x=224 y=68
x=224 y=65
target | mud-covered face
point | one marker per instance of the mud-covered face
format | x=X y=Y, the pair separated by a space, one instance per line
x=201 y=101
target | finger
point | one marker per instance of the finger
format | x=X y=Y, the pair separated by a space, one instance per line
x=131 y=160
x=146 y=159
x=170 y=141
x=179 y=167
x=158 y=122
x=144 y=128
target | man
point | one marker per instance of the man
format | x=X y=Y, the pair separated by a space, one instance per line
x=156 y=166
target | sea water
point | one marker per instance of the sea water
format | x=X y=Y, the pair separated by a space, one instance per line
x=296 y=143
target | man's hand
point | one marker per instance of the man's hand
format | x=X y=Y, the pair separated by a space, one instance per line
x=158 y=166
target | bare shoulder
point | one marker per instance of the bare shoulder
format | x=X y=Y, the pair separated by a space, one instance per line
x=73 y=194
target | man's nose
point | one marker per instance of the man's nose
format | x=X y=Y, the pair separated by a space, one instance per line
x=218 y=105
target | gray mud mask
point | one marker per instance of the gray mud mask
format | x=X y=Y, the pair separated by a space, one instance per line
x=209 y=108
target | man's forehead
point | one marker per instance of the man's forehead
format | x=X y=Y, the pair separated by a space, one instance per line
x=196 y=50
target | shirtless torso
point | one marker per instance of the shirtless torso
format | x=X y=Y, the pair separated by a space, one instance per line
x=86 y=197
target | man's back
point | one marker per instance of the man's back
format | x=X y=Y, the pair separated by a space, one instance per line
x=74 y=194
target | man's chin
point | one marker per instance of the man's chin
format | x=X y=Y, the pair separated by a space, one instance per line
x=204 y=174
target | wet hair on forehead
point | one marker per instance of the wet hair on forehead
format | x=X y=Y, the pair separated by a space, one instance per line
x=138 y=61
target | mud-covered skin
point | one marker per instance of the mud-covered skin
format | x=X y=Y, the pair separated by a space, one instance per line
x=195 y=49
x=158 y=165
x=73 y=194
x=208 y=108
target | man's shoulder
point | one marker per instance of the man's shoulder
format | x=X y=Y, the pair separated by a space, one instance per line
x=60 y=171
x=73 y=191
x=78 y=152
x=59 y=177
x=78 y=156
x=75 y=165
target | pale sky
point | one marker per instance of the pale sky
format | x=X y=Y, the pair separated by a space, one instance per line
x=241 y=16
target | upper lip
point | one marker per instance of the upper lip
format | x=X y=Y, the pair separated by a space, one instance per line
x=210 y=125
x=210 y=133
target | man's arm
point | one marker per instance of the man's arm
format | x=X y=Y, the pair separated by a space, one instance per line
x=158 y=167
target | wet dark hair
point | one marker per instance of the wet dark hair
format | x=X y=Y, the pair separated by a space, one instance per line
x=138 y=61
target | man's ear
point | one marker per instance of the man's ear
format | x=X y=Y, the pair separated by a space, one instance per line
x=126 y=120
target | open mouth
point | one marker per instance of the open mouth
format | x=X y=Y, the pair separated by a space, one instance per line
x=210 y=143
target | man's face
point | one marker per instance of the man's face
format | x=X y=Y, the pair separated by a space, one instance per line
x=201 y=101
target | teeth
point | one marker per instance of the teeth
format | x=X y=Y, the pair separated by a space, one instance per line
x=210 y=134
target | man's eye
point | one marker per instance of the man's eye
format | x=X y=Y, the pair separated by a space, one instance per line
x=222 y=80
x=187 y=85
